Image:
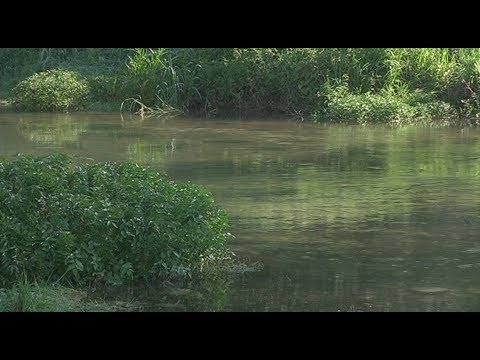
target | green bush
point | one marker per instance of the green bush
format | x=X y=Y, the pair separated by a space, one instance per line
x=368 y=107
x=52 y=90
x=384 y=107
x=106 y=221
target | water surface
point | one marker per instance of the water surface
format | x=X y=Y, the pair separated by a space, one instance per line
x=342 y=217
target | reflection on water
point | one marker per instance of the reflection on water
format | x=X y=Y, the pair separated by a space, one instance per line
x=343 y=217
x=200 y=294
x=58 y=129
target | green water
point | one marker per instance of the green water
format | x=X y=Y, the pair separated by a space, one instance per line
x=343 y=218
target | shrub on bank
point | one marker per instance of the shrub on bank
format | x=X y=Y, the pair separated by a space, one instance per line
x=52 y=90
x=108 y=221
x=386 y=107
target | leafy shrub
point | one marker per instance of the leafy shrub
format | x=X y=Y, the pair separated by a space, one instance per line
x=343 y=106
x=52 y=90
x=384 y=107
x=105 y=221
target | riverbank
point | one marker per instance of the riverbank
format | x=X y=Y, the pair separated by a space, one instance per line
x=26 y=297
x=352 y=85
x=204 y=291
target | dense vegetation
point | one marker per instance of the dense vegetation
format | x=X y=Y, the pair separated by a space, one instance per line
x=52 y=90
x=101 y=222
x=332 y=84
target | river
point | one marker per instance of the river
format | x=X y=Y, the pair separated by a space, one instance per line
x=343 y=218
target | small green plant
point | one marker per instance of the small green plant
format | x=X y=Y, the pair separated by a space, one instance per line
x=110 y=222
x=52 y=90
x=23 y=295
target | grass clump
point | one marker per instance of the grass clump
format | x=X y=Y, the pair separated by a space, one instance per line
x=52 y=90
x=110 y=222
x=26 y=296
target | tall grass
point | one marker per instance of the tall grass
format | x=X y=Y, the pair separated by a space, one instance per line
x=153 y=81
x=23 y=296
x=421 y=68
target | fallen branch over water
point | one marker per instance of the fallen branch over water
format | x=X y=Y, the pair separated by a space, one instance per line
x=138 y=108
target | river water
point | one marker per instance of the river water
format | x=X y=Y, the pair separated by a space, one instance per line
x=343 y=218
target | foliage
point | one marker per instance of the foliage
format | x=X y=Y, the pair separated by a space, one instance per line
x=107 y=221
x=268 y=81
x=58 y=130
x=426 y=68
x=390 y=105
x=52 y=90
